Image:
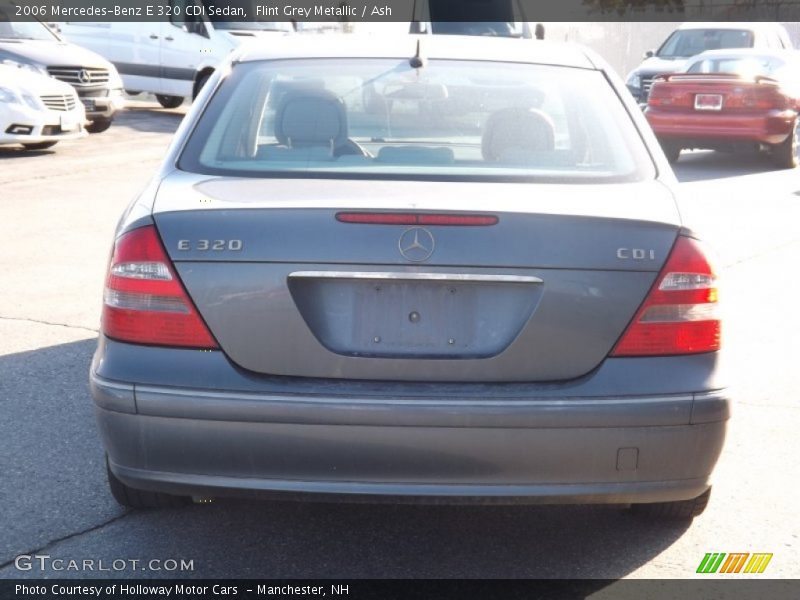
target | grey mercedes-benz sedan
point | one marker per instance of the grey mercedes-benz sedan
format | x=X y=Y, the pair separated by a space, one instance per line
x=440 y=268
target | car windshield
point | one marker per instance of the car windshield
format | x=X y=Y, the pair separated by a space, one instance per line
x=447 y=120
x=748 y=66
x=249 y=7
x=27 y=30
x=689 y=42
x=488 y=28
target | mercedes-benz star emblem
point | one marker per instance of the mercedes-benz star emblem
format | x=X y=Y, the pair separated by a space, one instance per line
x=83 y=76
x=416 y=244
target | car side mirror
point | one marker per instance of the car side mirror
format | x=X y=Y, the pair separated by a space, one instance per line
x=649 y=53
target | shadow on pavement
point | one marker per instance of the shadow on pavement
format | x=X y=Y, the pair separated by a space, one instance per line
x=149 y=118
x=12 y=152
x=55 y=499
x=705 y=165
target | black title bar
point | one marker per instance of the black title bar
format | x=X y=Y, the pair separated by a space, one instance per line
x=402 y=10
x=372 y=589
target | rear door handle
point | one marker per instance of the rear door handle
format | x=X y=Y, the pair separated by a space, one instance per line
x=169 y=38
x=153 y=36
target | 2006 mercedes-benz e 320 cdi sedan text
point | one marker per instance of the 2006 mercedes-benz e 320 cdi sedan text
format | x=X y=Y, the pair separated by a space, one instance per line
x=446 y=268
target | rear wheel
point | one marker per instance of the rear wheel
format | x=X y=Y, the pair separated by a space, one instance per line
x=40 y=146
x=98 y=125
x=133 y=498
x=671 y=150
x=169 y=101
x=787 y=154
x=681 y=510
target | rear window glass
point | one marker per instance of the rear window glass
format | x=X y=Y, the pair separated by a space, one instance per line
x=748 y=66
x=447 y=120
x=689 y=42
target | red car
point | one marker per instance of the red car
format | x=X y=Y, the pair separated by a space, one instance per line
x=726 y=99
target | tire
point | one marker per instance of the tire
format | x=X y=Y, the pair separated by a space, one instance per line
x=671 y=150
x=787 y=154
x=133 y=498
x=98 y=125
x=683 y=510
x=201 y=82
x=169 y=101
x=40 y=146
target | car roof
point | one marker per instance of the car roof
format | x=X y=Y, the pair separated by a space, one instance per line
x=445 y=47
x=729 y=25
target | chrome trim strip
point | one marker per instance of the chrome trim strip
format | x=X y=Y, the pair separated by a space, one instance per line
x=420 y=411
x=413 y=401
x=117 y=397
x=401 y=276
x=105 y=383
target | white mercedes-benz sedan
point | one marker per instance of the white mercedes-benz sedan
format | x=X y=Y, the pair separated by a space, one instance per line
x=37 y=111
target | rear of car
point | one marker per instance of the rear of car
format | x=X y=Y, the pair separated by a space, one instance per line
x=728 y=99
x=462 y=276
x=691 y=39
x=36 y=111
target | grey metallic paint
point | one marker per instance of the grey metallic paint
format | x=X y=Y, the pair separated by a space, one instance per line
x=195 y=422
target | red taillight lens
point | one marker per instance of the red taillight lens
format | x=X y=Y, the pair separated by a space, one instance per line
x=679 y=315
x=144 y=302
x=665 y=94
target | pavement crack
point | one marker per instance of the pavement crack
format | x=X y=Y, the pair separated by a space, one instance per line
x=51 y=323
x=69 y=536
x=763 y=253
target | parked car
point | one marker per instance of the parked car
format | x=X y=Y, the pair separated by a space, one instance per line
x=173 y=58
x=37 y=111
x=446 y=299
x=35 y=46
x=728 y=99
x=691 y=39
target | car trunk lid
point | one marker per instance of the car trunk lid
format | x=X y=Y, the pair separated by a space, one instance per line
x=542 y=294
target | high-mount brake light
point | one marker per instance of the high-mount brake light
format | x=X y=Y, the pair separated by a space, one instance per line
x=379 y=218
x=679 y=315
x=144 y=302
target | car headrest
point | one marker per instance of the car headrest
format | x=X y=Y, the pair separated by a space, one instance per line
x=310 y=118
x=512 y=134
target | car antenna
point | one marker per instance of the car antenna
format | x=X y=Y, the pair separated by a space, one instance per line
x=417 y=61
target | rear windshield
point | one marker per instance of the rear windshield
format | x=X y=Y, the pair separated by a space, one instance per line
x=689 y=42
x=447 y=120
x=749 y=66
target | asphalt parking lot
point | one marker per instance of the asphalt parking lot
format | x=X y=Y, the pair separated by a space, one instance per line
x=59 y=209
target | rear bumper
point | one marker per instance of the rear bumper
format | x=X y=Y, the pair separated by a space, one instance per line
x=770 y=127
x=534 y=449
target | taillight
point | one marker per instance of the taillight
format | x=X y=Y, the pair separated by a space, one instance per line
x=679 y=315
x=764 y=98
x=664 y=94
x=144 y=301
